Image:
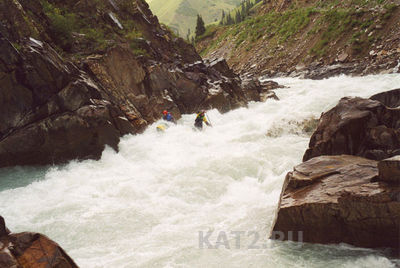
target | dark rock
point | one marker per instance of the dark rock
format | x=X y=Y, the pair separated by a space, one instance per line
x=7 y=260
x=389 y=170
x=335 y=199
x=357 y=126
x=3 y=228
x=221 y=66
x=30 y=250
x=389 y=98
x=46 y=114
x=53 y=110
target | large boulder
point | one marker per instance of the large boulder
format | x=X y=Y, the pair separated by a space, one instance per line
x=357 y=126
x=27 y=250
x=335 y=199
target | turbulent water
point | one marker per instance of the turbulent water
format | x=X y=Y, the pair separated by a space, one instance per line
x=147 y=205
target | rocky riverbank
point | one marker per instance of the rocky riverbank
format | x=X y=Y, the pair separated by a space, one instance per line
x=341 y=193
x=75 y=77
x=309 y=39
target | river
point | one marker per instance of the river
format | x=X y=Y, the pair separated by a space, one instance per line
x=152 y=204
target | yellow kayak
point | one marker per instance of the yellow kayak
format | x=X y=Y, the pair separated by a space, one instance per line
x=162 y=127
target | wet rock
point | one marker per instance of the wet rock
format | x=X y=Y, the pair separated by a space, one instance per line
x=221 y=66
x=389 y=170
x=357 y=126
x=3 y=229
x=318 y=71
x=47 y=115
x=36 y=250
x=336 y=199
x=27 y=250
x=389 y=98
x=269 y=95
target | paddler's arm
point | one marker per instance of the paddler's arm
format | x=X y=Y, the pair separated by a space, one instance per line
x=205 y=121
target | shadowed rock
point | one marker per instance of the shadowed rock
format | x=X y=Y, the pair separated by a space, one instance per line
x=51 y=112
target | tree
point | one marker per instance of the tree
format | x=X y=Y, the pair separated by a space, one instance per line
x=188 y=35
x=222 y=18
x=238 y=17
x=229 y=19
x=200 y=28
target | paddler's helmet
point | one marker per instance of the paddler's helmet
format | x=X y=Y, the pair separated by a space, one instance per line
x=165 y=112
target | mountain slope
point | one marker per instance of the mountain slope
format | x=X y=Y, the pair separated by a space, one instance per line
x=286 y=36
x=74 y=77
x=180 y=15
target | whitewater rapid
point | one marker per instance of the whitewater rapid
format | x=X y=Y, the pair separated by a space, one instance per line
x=145 y=206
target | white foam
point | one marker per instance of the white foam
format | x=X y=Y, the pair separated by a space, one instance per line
x=145 y=205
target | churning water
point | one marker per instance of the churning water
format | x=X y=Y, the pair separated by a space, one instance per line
x=147 y=205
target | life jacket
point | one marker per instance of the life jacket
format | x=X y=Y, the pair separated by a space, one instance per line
x=168 y=117
x=199 y=120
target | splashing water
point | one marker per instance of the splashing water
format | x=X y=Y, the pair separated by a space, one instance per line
x=145 y=206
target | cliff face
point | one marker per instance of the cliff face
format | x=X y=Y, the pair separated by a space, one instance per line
x=301 y=38
x=77 y=75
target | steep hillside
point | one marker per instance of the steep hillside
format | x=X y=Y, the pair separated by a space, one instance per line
x=180 y=15
x=77 y=75
x=290 y=37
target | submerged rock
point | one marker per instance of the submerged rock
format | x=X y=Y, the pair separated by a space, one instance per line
x=338 y=199
x=27 y=250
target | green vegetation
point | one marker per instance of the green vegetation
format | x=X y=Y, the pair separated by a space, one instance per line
x=95 y=36
x=200 y=28
x=327 y=22
x=281 y=25
x=181 y=15
x=238 y=14
x=62 y=25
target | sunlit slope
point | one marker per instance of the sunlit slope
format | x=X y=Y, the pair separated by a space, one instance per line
x=181 y=14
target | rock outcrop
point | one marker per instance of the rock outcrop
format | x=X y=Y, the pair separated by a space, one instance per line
x=337 y=196
x=27 y=250
x=75 y=77
x=389 y=170
x=51 y=112
x=335 y=199
x=357 y=126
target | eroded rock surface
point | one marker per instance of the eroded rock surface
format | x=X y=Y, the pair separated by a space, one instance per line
x=357 y=126
x=336 y=199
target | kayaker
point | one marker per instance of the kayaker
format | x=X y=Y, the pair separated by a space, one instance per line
x=200 y=118
x=167 y=116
